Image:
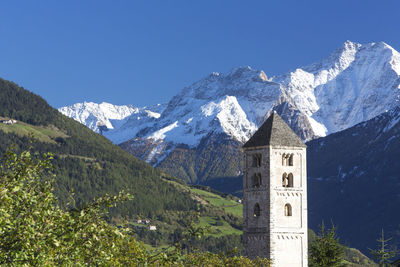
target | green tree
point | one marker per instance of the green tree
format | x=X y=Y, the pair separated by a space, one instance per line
x=383 y=254
x=34 y=231
x=326 y=250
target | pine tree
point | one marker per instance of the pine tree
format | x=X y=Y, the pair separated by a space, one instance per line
x=326 y=250
x=383 y=254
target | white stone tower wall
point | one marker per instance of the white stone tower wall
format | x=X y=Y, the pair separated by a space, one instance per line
x=256 y=232
x=288 y=233
x=277 y=228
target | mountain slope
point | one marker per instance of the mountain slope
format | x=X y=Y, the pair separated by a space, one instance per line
x=214 y=114
x=91 y=166
x=106 y=116
x=85 y=161
x=353 y=84
x=353 y=179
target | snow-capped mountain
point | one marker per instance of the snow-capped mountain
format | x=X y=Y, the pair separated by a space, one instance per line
x=353 y=84
x=198 y=134
x=233 y=104
x=106 y=116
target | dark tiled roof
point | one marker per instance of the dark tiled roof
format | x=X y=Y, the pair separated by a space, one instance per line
x=274 y=132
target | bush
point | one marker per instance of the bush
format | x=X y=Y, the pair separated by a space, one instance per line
x=34 y=231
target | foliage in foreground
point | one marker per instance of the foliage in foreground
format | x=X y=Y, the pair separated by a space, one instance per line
x=326 y=249
x=34 y=231
x=383 y=255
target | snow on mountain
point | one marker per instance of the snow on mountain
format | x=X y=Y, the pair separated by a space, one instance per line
x=223 y=115
x=355 y=83
x=131 y=125
x=106 y=116
x=233 y=103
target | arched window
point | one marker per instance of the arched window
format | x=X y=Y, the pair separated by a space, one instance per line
x=288 y=210
x=284 y=180
x=256 y=160
x=290 y=180
x=291 y=160
x=283 y=159
x=257 y=180
x=257 y=210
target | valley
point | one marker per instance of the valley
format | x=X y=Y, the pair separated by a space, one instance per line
x=197 y=136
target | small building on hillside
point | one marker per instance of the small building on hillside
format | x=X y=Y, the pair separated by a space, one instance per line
x=11 y=121
x=152 y=228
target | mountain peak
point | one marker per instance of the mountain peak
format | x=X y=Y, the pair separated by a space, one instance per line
x=350 y=45
x=94 y=115
x=354 y=83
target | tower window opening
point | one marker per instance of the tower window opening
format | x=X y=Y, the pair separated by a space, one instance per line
x=257 y=160
x=284 y=180
x=288 y=210
x=289 y=180
x=257 y=210
x=291 y=160
x=287 y=159
x=257 y=180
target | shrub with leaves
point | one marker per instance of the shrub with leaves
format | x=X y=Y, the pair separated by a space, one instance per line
x=222 y=260
x=35 y=231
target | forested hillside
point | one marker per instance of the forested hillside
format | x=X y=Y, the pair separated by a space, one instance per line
x=89 y=165
x=85 y=162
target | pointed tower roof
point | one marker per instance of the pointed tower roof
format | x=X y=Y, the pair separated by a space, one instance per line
x=274 y=132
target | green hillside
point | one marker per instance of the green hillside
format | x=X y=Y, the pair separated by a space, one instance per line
x=84 y=161
x=89 y=165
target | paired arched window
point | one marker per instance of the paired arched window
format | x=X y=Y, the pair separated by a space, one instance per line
x=284 y=179
x=291 y=160
x=287 y=159
x=257 y=210
x=257 y=180
x=256 y=160
x=290 y=180
x=288 y=210
x=287 y=180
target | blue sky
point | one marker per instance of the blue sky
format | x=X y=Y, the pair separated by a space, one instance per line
x=144 y=52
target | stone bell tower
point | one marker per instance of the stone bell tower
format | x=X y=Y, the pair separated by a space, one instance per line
x=275 y=195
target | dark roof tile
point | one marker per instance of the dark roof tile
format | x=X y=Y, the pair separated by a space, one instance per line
x=274 y=132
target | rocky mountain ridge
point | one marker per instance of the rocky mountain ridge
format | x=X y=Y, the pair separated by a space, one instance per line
x=106 y=116
x=347 y=108
x=355 y=83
